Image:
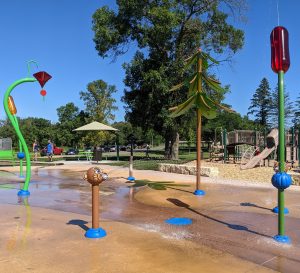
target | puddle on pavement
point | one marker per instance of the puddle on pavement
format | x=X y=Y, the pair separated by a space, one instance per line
x=232 y=219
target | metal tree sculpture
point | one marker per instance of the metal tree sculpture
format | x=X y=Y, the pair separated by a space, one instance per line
x=280 y=63
x=198 y=98
x=10 y=109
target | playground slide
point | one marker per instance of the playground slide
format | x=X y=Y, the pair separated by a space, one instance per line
x=272 y=142
x=256 y=159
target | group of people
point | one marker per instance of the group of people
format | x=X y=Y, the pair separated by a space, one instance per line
x=49 y=147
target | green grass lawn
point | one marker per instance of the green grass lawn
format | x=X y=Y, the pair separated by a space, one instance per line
x=141 y=163
x=140 y=160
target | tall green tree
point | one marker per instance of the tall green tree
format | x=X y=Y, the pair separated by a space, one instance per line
x=99 y=101
x=32 y=128
x=69 y=118
x=289 y=110
x=166 y=33
x=228 y=121
x=261 y=104
x=125 y=129
x=67 y=112
x=296 y=119
x=100 y=106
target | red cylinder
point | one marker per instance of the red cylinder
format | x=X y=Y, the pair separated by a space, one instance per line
x=280 y=56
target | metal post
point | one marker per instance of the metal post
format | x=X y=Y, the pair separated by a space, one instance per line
x=281 y=180
x=95 y=206
x=131 y=177
x=95 y=176
x=199 y=119
x=20 y=146
x=21 y=161
x=131 y=166
x=280 y=62
x=224 y=144
x=281 y=121
x=293 y=144
x=265 y=145
x=118 y=146
x=198 y=172
x=298 y=147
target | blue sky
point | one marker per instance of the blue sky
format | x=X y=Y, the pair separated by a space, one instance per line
x=57 y=34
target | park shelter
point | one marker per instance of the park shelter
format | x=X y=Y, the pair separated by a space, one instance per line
x=97 y=126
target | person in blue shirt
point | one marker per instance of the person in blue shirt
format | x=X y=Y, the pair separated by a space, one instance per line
x=49 y=150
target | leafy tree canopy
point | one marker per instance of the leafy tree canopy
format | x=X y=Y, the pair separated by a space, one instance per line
x=31 y=128
x=166 y=33
x=99 y=101
x=69 y=118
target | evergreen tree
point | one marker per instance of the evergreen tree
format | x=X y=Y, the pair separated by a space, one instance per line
x=288 y=109
x=261 y=102
x=296 y=119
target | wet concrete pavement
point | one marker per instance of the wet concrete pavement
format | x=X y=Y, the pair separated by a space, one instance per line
x=230 y=218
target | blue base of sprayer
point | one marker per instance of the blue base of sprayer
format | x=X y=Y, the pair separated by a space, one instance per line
x=284 y=239
x=276 y=210
x=179 y=221
x=130 y=178
x=21 y=176
x=199 y=192
x=23 y=193
x=95 y=233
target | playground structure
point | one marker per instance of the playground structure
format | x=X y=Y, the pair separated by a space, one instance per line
x=251 y=148
x=250 y=160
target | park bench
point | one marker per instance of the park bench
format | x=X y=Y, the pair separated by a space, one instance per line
x=7 y=155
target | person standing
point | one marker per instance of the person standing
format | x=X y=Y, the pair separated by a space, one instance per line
x=147 y=151
x=49 y=150
x=35 y=149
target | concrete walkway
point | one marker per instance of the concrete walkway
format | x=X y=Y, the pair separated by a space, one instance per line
x=41 y=240
x=231 y=231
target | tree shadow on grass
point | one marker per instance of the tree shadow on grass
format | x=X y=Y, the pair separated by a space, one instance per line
x=181 y=204
x=182 y=189
x=8 y=187
x=156 y=185
x=80 y=223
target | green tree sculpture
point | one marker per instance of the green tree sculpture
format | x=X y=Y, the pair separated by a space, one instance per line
x=198 y=98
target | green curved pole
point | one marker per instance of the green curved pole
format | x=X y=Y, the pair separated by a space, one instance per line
x=20 y=148
x=16 y=127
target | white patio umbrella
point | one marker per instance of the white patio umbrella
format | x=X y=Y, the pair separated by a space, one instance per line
x=97 y=126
